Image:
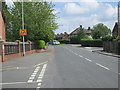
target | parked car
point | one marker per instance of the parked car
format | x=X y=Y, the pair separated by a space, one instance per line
x=55 y=42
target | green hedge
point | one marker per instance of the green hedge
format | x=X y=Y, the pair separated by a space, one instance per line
x=64 y=41
x=74 y=40
x=92 y=43
x=41 y=44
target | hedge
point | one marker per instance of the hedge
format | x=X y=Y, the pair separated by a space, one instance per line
x=92 y=43
x=64 y=41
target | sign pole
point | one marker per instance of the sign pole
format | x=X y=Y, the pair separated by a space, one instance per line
x=23 y=28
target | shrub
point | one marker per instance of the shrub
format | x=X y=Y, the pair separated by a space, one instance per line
x=92 y=43
x=41 y=44
x=117 y=39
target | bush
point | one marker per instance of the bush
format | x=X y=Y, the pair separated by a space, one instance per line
x=41 y=44
x=92 y=43
x=117 y=39
x=64 y=41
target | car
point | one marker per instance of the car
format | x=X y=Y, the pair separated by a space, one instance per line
x=55 y=42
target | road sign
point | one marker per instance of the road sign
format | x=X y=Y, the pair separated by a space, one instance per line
x=23 y=32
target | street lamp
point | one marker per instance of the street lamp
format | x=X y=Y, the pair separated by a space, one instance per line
x=119 y=12
x=23 y=28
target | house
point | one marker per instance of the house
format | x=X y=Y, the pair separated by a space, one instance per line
x=116 y=31
x=62 y=36
x=2 y=25
x=77 y=30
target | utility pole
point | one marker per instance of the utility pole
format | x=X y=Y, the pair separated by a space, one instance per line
x=119 y=18
x=23 y=28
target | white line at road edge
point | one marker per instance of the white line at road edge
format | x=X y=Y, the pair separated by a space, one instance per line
x=88 y=59
x=102 y=66
x=17 y=83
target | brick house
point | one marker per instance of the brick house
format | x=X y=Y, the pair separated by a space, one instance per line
x=2 y=26
x=62 y=36
x=115 y=31
x=77 y=30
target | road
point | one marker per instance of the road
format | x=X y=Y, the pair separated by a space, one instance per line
x=65 y=66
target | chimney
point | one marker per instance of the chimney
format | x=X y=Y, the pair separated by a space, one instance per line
x=80 y=26
x=88 y=28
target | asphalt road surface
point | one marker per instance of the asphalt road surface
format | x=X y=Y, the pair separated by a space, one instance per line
x=65 y=66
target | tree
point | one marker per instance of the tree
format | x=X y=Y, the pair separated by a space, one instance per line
x=100 y=30
x=39 y=21
x=81 y=34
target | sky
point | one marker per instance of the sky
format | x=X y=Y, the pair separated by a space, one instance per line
x=73 y=13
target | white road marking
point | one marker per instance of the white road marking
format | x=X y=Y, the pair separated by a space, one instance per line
x=39 y=84
x=40 y=64
x=88 y=59
x=80 y=56
x=17 y=83
x=75 y=53
x=30 y=81
x=102 y=66
x=39 y=80
x=41 y=75
x=34 y=73
x=32 y=77
x=38 y=87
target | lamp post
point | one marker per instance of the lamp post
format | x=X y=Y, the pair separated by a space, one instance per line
x=23 y=28
x=119 y=18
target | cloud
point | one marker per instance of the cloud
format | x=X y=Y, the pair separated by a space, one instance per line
x=82 y=0
x=107 y=12
x=87 y=14
x=81 y=8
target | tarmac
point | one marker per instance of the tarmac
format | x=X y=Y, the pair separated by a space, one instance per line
x=97 y=51
x=106 y=53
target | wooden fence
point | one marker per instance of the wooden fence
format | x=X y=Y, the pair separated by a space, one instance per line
x=16 y=48
x=112 y=47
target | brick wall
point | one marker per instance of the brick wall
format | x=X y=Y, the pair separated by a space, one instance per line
x=2 y=28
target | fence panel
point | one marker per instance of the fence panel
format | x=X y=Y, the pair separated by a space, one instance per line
x=11 y=48
x=111 y=46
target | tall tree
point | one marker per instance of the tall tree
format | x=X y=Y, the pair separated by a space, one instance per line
x=100 y=30
x=39 y=20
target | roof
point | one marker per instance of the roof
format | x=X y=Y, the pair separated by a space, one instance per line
x=75 y=31
x=115 y=29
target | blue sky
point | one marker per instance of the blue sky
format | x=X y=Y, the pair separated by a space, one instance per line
x=87 y=13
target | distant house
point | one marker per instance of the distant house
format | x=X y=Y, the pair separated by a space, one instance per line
x=77 y=30
x=62 y=36
x=115 y=31
x=2 y=25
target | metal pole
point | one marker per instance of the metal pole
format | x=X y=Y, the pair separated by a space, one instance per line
x=119 y=18
x=23 y=28
x=118 y=12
